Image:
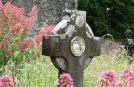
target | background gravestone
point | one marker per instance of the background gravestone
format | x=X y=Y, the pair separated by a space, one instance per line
x=49 y=11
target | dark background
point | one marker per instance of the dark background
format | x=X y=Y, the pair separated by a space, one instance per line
x=109 y=16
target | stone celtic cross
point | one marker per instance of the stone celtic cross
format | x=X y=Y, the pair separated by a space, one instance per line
x=72 y=45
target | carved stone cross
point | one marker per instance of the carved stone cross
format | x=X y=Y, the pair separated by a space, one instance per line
x=72 y=45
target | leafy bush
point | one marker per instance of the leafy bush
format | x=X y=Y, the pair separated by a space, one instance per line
x=15 y=47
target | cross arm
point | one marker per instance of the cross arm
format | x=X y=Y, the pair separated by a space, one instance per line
x=52 y=45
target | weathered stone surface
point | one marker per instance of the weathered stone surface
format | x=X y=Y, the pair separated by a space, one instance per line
x=72 y=45
x=50 y=11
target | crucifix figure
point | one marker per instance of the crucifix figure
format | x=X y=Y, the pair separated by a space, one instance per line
x=72 y=45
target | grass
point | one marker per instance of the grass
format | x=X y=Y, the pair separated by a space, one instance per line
x=42 y=73
x=101 y=64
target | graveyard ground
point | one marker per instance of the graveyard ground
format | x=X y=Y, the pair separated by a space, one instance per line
x=42 y=73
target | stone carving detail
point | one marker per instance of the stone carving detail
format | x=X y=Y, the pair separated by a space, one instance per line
x=50 y=11
x=77 y=46
x=79 y=21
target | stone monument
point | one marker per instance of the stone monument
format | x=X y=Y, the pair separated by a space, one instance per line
x=129 y=44
x=72 y=45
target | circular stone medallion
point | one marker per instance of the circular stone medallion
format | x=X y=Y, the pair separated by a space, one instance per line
x=77 y=46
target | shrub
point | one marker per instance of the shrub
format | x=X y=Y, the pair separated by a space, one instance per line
x=13 y=29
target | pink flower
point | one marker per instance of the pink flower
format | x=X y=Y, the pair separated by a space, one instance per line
x=23 y=46
x=8 y=52
x=118 y=83
x=6 y=81
x=30 y=42
x=48 y=29
x=7 y=7
x=5 y=43
x=64 y=80
x=132 y=65
x=37 y=54
x=0 y=3
x=125 y=73
x=31 y=21
x=15 y=30
x=1 y=31
x=108 y=75
x=128 y=76
x=23 y=20
x=20 y=12
x=34 y=12
x=38 y=38
x=108 y=78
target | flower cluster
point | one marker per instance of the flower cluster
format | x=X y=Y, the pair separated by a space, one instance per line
x=14 y=26
x=13 y=29
x=35 y=43
x=64 y=80
x=6 y=81
x=46 y=30
x=128 y=76
x=108 y=79
x=13 y=17
x=14 y=45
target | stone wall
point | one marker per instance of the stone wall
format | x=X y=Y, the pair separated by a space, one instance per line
x=49 y=11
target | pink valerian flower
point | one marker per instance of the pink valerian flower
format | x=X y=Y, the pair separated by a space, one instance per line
x=5 y=43
x=0 y=3
x=22 y=46
x=31 y=21
x=125 y=73
x=19 y=12
x=26 y=22
x=108 y=79
x=1 y=31
x=8 y=52
x=37 y=54
x=64 y=80
x=38 y=39
x=6 y=81
x=11 y=15
x=118 y=84
x=128 y=76
x=15 y=30
x=30 y=42
x=48 y=29
x=34 y=12
x=107 y=75
x=132 y=66
x=7 y=7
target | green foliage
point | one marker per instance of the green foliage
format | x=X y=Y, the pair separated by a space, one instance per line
x=109 y=16
x=37 y=73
